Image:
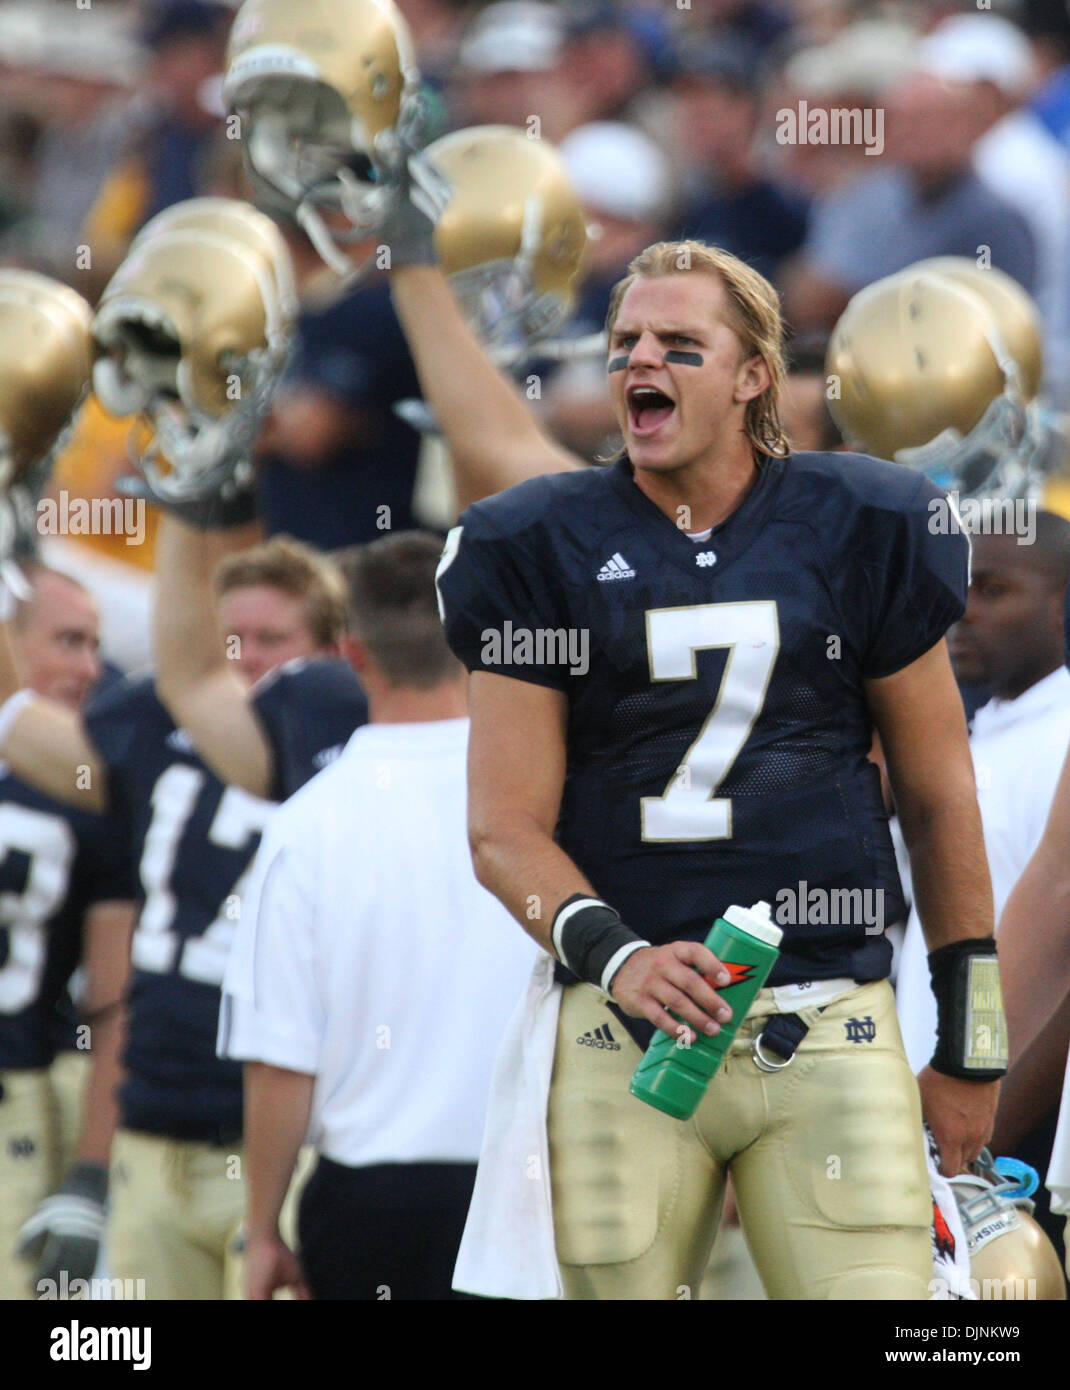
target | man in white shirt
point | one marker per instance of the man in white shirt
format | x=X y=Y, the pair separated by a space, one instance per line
x=1010 y=640
x=372 y=976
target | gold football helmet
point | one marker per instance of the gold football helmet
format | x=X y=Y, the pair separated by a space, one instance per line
x=512 y=235
x=1012 y=308
x=229 y=217
x=1010 y=1256
x=926 y=377
x=192 y=334
x=44 y=368
x=326 y=91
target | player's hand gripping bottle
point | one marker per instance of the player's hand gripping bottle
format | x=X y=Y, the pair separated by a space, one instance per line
x=673 y=1077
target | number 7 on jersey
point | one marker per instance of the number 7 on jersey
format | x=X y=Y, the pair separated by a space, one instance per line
x=688 y=809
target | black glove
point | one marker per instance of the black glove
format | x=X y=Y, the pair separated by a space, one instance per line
x=234 y=505
x=422 y=193
x=65 y=1231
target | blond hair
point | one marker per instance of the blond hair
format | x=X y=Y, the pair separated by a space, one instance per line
x=298 y=571
x=754 y=316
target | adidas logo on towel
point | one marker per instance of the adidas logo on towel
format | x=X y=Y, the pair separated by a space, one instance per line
x=616 y=568
x=601 y=1037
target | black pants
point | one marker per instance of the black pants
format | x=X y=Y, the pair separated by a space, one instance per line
x=387 y=1231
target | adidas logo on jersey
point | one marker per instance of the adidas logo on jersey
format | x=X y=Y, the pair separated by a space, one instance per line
x=180 y=741
x=601 y=1037
x=616 y=568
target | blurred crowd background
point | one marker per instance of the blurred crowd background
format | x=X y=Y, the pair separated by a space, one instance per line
x=668 y=116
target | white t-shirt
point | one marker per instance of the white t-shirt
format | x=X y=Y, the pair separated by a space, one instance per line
x=368 y=955
x=1018 y=749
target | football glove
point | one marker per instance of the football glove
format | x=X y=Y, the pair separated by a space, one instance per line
x=65 y=1231
x=233 y=504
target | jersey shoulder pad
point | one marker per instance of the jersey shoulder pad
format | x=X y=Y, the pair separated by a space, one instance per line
x=527 y=506
x=322 y=683
x=497 y=583
x=113 y=716
x=894 y=548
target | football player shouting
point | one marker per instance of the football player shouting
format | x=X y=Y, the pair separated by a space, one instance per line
x=752 y=618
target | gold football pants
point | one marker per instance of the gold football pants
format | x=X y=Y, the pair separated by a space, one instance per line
x=175 y=1217
x=176 y=1213
x=826 y=1156
x=29 y=1167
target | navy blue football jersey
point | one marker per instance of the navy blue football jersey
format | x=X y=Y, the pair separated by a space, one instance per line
x=308 y=709
x=193 y=839
x=718 y=730
x=55 y=863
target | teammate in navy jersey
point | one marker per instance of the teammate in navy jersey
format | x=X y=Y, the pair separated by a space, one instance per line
x=176 y=1200
x=65 y=897
x=728 y=626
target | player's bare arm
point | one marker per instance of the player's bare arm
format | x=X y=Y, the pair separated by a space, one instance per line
x=919 y=717
x=45 y=743
x=1034 y=930
x=106 y=959
x=493 y=438
x=277 y=1106
x=200 y=687
x=516 y=770
x=1031 y=1089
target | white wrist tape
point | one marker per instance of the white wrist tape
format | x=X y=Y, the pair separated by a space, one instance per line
x=10 y=711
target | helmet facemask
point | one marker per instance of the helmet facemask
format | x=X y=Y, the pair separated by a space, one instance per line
x=308 y=156
x=144 y=369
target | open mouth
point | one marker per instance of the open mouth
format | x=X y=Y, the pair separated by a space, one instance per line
x=648 y=409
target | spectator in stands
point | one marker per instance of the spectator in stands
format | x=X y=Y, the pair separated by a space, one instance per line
x=68 y=92
x=731 y=202
x=992 y=62
x=1047 y=22
x=924 y=198
x=606 y=58
x=508 y=70
x=174 y=123
x=623 y=182
x=759 y=23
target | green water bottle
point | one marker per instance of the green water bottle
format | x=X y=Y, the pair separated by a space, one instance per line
x=674 y=1078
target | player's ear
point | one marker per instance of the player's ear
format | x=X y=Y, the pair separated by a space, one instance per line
x=355 y=652
x=752 y=378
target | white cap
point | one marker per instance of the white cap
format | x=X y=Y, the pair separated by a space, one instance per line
x=755 y=921
x=978 y=48
x=513 y=36
x=618 y=171
x=864 y=59
x=56 y=38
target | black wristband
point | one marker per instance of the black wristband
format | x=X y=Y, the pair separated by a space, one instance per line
x=591 y=940
x=971 y=1030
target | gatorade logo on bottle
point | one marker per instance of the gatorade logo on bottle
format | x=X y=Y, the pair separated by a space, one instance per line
x=738 y=972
